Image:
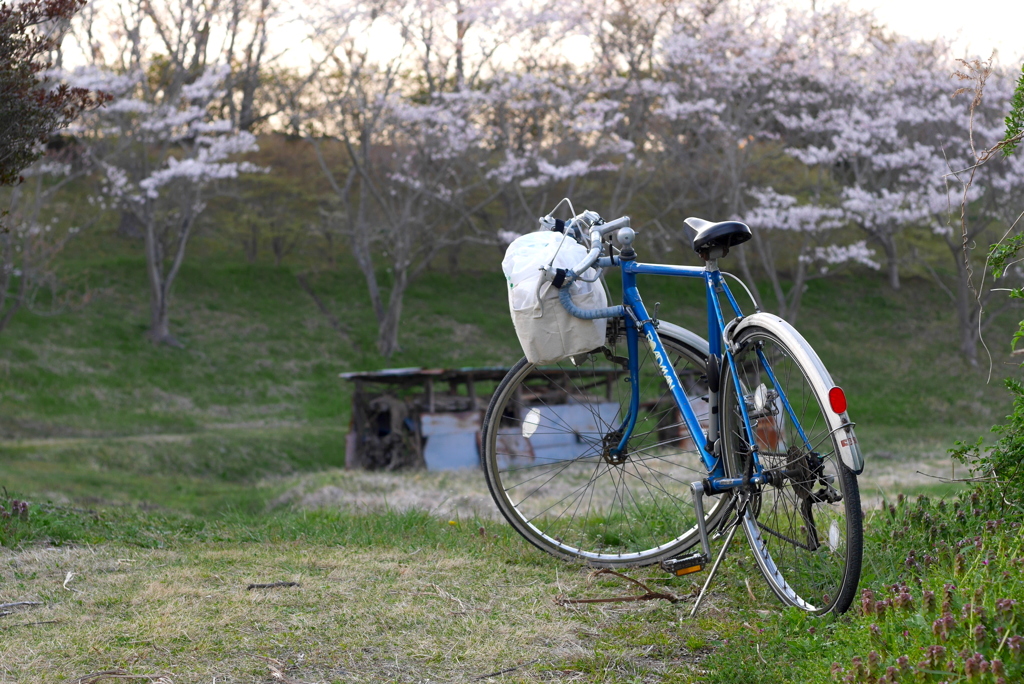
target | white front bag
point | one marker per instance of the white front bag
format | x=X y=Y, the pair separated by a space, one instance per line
x=547 y=332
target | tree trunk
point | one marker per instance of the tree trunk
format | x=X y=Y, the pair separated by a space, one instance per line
x=361 y=251
x=128 y=226
x=453 y=258
x=741 y=252
x=12 y=300
x=159 y=326
x=332 y=259
x=278 y=247
x=748 y=276
x=768 y=263
x=966 y=309
x=252 y=243
x=159 y=313
x=799 y=284
x=892 y=262
x=160 y=281
x=387 y=337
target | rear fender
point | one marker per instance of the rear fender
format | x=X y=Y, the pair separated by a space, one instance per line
x=817 y=375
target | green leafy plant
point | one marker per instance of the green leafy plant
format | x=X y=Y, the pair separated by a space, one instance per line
x=1000 y=470
x=1001 y=257
x=949 y=613
x=1015 y=119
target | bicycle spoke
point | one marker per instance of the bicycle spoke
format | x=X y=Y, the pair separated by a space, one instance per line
x=802 y=538
x=568 y=492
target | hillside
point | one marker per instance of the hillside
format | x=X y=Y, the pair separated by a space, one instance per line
x=258 y=353
x=183 y=475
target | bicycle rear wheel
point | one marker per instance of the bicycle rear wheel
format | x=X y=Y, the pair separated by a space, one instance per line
x=545 y=453
x=805 y=526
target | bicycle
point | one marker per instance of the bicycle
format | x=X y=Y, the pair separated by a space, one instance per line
x=592 y=459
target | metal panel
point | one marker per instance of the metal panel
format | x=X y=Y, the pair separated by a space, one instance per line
x=452 y=439
x=450 y=423
x=452 y=451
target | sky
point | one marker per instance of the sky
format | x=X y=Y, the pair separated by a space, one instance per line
x=976 y=26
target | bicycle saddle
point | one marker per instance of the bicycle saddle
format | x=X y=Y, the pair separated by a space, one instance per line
x=708 y=235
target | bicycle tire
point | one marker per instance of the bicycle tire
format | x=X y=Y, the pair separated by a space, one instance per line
x=785 y=521
x=557 y=485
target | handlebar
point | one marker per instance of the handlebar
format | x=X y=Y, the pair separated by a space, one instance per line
x=621 y=222
x=591 y=224
x=597 y=235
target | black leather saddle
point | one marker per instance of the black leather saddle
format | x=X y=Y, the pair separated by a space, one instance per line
x=708 y=235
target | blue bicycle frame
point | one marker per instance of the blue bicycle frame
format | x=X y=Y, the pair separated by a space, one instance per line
x=638 y=321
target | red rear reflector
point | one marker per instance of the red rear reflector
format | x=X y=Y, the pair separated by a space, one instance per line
x=837 y=399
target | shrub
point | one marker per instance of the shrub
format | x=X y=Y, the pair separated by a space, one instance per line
x=999 y=471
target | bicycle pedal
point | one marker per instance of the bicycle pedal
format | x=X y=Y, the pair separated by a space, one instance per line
x=685 y=565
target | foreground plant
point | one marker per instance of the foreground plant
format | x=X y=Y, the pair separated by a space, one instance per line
x=33 y=106
x=952 y=615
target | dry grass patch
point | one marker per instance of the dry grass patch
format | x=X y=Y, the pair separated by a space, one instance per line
x=370 y=616
x=450 y=495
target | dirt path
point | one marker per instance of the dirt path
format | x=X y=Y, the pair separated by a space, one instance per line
x=463 y=494
x=255 y=427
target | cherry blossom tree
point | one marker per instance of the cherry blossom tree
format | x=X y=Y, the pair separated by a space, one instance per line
x=888 y=132
x=881 y=126
x=402 y=197
x=171 y=136
x=722 y=68
x=829 y=135
x=34 y=236
x=731 y=76
x=417 y=128
x=808 y=230
x=160 y=150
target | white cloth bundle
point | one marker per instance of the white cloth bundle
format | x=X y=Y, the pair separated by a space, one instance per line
x=547 y=332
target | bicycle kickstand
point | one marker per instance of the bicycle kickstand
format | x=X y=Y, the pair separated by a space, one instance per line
x=698 y=561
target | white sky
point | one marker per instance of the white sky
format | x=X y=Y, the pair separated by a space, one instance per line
x=975 y=26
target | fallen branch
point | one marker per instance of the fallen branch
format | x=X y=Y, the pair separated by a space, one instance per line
x=63 y=509
x=649 y=594
x=958 y=479
x=18 y=604
x=26 y=624
x=121 y=674
x=272 y=585
x=510 y=669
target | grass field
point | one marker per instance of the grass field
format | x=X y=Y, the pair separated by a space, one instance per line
x=393 y=597
x=177 y=477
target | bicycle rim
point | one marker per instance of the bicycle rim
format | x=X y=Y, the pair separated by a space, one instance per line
x=546 y=438
x=805 y=526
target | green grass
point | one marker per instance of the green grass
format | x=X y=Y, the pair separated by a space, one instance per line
x=259 y=353
x=913 y=549
x=167 y=479
x=388 y=596
x=233 y=455
x=164 y=572
x=255 y=391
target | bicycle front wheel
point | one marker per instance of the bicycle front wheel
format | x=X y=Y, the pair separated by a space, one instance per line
x=804 y=526
x=546 y=453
